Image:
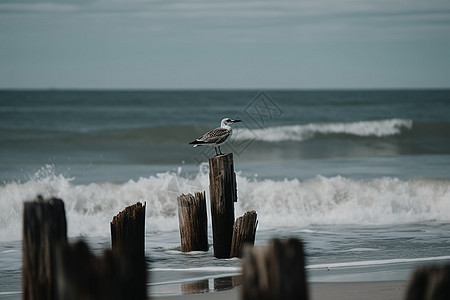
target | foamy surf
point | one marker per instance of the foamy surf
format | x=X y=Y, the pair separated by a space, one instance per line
x=383 y=262
x=378 y=128
x=279 y=203
x=222 y=269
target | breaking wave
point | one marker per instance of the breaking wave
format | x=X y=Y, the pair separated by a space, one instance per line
x=379 y=128
x=279 y=203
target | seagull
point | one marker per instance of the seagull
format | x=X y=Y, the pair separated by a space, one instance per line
x=217 y=136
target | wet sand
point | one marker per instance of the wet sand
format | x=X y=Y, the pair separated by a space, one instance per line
x=390 y=290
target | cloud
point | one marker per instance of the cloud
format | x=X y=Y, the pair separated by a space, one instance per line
x=36 y=7
x=307 y=20
x=296 y=40
x=253 y=20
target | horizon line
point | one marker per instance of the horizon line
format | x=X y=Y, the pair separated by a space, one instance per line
x=99 y=89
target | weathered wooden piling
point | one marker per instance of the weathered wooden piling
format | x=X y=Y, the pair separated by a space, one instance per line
x=128 y=230
x=276 y=271
x=111 y=276
x=244 y=232
x=429 y=282
x=193 y=222
x=52 y=269
x=44 y=231
x=222 y=190
x=128 y=252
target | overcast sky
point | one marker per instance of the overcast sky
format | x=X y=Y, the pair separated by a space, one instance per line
x=210 y=44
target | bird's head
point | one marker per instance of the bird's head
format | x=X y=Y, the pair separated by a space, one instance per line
x=228 y=121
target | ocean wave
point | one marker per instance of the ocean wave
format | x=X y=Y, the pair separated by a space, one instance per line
x=379 y=128
x=279 y=203
x=296 y=132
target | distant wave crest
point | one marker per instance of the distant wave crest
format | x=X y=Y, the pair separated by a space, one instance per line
x=379 y=128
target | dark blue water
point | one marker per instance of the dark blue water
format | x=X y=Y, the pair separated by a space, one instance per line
x=113 y=128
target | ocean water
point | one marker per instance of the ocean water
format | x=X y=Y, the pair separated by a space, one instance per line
x=362 y=177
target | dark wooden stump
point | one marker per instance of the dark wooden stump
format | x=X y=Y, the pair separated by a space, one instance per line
x=193 y=222
x=244 y=232
x=128 y=230
x=112 y=276
x=128 y=245
x=222 y=189
x=432 y=282
x=276 y=271
x=44 y=231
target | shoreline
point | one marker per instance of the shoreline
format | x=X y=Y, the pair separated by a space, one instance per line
x=379 y=290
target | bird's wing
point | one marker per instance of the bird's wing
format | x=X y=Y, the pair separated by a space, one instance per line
x=215 y=136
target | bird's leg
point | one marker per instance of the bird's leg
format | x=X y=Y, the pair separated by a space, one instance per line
x=220 y=151
x=215 y=148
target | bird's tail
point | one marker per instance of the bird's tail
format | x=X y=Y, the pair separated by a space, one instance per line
x=196 y=143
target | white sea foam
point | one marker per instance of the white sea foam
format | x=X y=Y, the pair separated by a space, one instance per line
x=285 y=203
x=90 y=208
x=361 y=250
x=339 y=200
x=300 y=133
x=369 y=263
x=214 y=269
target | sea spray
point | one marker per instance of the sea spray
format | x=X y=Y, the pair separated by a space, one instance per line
x=90 y=207
x=339 y=200
x=286 y=203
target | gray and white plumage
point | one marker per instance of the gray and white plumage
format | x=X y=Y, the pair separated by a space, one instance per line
x=217 y=136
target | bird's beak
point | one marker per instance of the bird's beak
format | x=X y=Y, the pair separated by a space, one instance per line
x=236 y=121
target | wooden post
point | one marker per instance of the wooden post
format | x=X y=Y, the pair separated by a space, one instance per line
x=276 y=271
x=128 y=241
x=111 y=276
x=128 y=230
x=44 y=230
x=193 y=222
x=429 y=282
x=244 y=232
x=222 y=190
